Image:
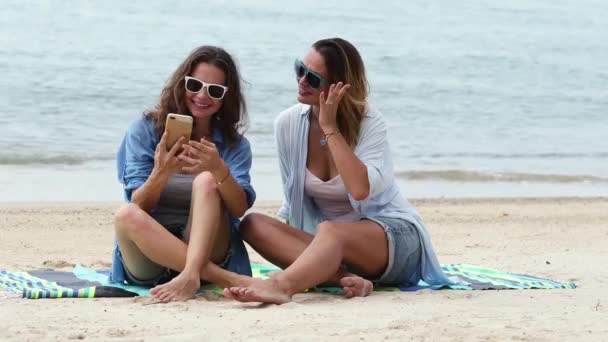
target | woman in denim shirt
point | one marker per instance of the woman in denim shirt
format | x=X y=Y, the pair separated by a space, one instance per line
x=185 y=201
x=347 y=220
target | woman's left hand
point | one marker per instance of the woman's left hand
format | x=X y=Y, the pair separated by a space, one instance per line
x=329 y=106
x=202 y=156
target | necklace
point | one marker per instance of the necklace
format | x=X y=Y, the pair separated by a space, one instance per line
x=323 y=140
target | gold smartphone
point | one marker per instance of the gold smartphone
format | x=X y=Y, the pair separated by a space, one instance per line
x=177 y=126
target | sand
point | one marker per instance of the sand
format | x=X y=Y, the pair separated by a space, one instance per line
x=564 y=239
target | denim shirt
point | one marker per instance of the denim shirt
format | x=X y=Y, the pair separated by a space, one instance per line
x=384 y=199
x=135 y=161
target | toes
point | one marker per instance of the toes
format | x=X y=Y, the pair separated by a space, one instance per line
x=348 y=292
x=228 y=293
x=158 y=293
x=158 y=290
x=233 y=293
x=165 y=296
x=248 y=292
x=356 y=287
x=347 y=282
x=368 y=288
x=244 y=294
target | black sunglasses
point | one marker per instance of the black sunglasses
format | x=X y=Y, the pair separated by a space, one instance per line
x=215 y=91
x=312 y=78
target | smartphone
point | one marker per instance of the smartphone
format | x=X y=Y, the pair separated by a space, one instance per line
x=177 y=126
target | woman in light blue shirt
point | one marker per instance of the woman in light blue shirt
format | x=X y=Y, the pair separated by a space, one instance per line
x=347 y=222
x=181 y=224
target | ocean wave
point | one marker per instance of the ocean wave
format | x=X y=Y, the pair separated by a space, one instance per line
x=599 y=155
x=52 y=160
x=508 y=177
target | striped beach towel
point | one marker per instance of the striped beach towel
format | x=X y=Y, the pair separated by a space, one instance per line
x=83 y=282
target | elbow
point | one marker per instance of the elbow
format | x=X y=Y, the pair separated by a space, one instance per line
x=135 y=199
x=240 y=212
x=362 y=190
x=139 y=200
x=140 y=203
x=360 y=194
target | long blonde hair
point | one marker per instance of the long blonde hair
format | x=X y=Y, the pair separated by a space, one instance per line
x=344 y=63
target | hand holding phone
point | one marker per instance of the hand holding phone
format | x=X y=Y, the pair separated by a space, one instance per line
x=177 y=126
x=178 y=129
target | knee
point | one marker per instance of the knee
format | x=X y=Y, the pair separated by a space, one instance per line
x=204 y=183
x=250 y=226
x=128 y=219
x=330 y=230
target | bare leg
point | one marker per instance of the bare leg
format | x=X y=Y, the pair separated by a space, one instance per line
x=274 y=240
x=282 y=244
x=147 y=247
x=361 y=245
x=208 y=231
x=144 y=242
x=352 y=284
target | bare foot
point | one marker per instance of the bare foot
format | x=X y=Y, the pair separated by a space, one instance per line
x=356 y=286
x=241 y=281
x=234 y=291
x=181 y=288
x=273 y=273
x=263 y=291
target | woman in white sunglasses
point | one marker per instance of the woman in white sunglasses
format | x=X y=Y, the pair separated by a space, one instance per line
x=181 y=224
x=347 y=222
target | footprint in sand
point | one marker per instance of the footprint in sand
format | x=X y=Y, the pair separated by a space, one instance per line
x=57 y=264
x=100 y=264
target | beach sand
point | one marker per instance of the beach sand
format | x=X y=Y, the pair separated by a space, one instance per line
x=565 y=239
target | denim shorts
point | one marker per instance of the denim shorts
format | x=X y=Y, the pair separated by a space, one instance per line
x=404 y=252
x=236 y=260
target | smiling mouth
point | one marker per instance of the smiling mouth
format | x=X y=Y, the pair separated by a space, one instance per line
x=201 y=105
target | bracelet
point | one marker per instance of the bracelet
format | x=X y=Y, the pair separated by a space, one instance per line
x=225 y=177
x=326 y=137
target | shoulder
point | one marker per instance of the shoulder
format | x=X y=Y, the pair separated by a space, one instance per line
x=290 y=115
x=240 y=147
x=142 y=127
x=373 y=121
x=242 y=143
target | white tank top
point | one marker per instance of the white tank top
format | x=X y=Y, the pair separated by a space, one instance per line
x=330 y=197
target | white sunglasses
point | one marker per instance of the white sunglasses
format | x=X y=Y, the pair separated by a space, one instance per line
x=215 y=91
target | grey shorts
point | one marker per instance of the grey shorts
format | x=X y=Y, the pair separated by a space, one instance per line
x=164 y=276
x=404 y=252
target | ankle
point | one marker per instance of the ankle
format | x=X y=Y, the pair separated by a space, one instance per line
x=284 y=284
x=191 y=273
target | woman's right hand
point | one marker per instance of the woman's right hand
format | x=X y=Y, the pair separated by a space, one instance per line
x=166 y=162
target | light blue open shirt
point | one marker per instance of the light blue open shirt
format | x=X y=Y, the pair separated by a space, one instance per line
x=135 y=161
x=384 y=199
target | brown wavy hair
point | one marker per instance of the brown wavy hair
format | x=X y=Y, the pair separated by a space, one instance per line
x=232 y=115
x=344 y=63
